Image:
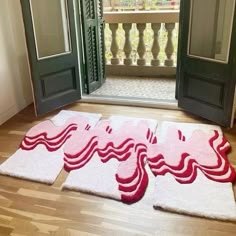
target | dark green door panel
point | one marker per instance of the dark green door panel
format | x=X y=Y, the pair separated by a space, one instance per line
x=205 y=87
x=93 y=35
x=55 y=78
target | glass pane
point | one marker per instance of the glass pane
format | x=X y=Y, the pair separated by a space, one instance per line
x=51 y=27
x=210 y=28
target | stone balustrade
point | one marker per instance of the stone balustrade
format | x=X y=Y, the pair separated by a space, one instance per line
x=159 y=21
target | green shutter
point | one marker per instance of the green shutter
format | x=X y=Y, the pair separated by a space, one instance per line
x=93 y=34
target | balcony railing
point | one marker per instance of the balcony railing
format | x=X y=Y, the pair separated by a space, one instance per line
x=150 y=51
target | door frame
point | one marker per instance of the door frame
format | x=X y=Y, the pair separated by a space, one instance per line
x=80 y=46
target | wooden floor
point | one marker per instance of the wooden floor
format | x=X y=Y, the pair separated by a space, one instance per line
x=28 y=208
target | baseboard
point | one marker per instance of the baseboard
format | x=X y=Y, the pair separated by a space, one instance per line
x=11 y=111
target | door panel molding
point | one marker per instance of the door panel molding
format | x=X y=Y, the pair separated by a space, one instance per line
x=194 y=84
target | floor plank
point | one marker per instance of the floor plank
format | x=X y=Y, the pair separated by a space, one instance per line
x=28 y=208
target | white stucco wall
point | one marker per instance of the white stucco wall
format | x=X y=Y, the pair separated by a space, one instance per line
x=15 y=87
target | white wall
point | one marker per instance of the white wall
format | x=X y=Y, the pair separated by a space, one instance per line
x=15 y=88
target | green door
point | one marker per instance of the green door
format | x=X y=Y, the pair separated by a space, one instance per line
x=52 y=47
x=93 y=41
x=206 y=70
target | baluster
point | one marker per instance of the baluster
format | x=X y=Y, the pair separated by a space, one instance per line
x=169 y=45
x=155 y=46
x=114 y=46
x=127 y=45
x=113 y=5
x=141 y=46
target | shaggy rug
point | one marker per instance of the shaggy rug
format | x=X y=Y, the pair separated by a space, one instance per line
x=40 y=155
x=193 y=175
x=117 y=157
x=110 y=159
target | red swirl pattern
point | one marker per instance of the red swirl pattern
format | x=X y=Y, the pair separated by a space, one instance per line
x=52 y=143
x=133 y=187
x=132 y=146
x=125 y=149
x=186 y=170
x=76 y=161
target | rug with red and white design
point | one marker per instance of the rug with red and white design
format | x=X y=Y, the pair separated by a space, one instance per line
x=117 y=157
x=40 y=155
x=110 y=160
x=193 y=174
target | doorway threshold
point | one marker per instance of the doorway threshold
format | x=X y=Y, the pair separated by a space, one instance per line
x=132 y=101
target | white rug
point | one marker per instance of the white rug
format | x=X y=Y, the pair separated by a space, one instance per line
x=202 y=185
x=111 y=159
x=40 y=156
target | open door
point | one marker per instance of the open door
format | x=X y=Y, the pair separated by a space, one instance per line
x=93 y=41
x=52 y=48
x=206 y=62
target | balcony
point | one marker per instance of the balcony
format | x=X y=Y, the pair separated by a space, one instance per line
x=141 y=43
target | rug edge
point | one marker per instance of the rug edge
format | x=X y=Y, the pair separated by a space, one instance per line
x=48 y=181
x=69 y=187
x=164 y=207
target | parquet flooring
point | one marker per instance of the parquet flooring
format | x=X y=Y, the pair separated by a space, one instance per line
x=28 y=208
